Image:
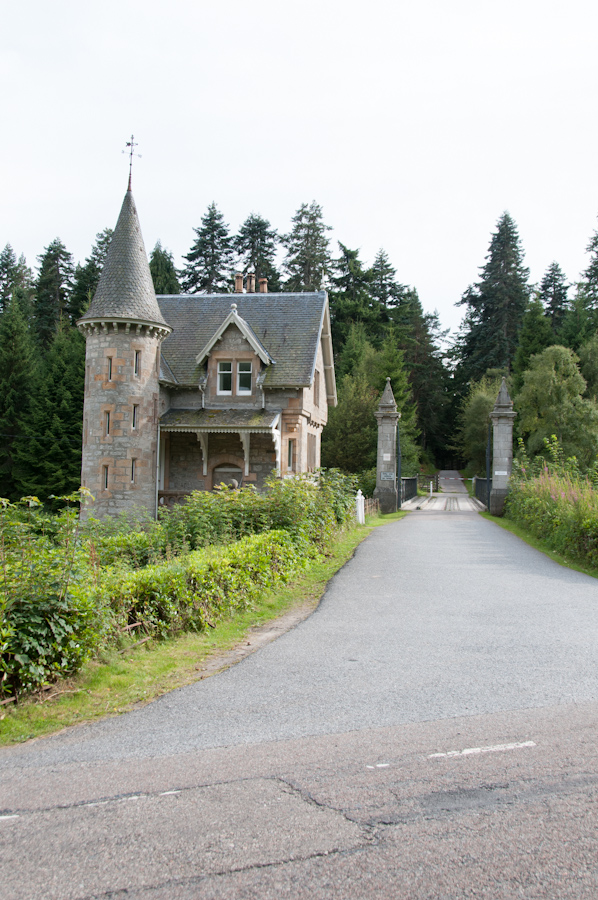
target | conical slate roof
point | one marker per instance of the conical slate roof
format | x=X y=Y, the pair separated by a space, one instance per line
x=125 y=290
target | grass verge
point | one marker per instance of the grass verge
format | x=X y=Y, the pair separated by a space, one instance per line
x=538 y=544
x=122 y=680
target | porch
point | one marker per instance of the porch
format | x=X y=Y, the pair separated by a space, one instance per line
x=200 y=449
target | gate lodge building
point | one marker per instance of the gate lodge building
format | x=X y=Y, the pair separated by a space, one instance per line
x=185 y=392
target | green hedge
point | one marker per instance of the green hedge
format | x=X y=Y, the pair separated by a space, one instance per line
x=556 y=503
x=68 y=590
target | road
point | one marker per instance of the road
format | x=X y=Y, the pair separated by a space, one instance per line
x=431 y=731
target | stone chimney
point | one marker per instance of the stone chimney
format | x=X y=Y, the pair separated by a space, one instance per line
x=238 y=283
x=263 y=285
x=251 y=283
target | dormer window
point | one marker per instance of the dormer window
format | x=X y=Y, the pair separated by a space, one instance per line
x=243 y=378
x=225 y=377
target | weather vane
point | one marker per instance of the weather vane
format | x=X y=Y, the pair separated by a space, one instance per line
x=131 y=151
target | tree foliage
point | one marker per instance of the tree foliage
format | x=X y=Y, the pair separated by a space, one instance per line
x=551 y=402
x=553 y=293
x=494 y=306
x=210 y=260
x=163 y=272
x=87 y=276
x=256 y=245
x=535 y=335
x=17 y=382
x=52 y=290
x=307 y=263
x=472 y=434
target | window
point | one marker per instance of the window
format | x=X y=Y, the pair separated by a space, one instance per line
x=135 y=419
x=138 y=362
x=109 y=368
x=317 y=389
x=107 y=423
x=243 y=378
x=105 y=477
x=133 y=461
x=225 y=377
x=290 y=455
x=311 y=452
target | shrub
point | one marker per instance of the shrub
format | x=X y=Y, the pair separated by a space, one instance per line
x=555 y=502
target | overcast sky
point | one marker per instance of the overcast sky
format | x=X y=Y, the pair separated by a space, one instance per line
x=413 y=124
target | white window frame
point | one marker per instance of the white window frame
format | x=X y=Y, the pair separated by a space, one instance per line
x=228 y=372
x=244 y=362
x=291 y=459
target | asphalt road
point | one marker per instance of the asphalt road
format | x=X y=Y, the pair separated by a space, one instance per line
x=331 y=763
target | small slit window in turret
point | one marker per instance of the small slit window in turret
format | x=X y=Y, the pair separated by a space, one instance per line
x=107 y=423
x=137 y=362
x=109 y=368
x=133 y=461
x=225 y=377
x=105 y=477
x=135 y=418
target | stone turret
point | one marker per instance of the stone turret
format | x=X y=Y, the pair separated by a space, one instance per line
x=124 y=329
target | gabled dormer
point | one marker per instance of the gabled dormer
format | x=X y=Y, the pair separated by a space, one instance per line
x=235 y=360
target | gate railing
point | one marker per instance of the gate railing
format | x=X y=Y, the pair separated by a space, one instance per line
x=482 y=488
x=408 y=488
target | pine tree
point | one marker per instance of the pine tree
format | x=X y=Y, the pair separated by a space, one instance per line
x=553 y=294
x=17 y=379
x=420 y=336
x=87 y=276
x=50 y=461
x=52 y=290
x=163 y=272
x=495 y=306
x=350 y=299
x=307 y=263
x=8 y=275
x=535 y=335
x=580 y=320
x=383 y=284
x=256 y=245
x=590 y=276
x=210 y=259
x=350 y=438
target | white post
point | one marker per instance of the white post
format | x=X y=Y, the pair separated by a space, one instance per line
x=360 y=507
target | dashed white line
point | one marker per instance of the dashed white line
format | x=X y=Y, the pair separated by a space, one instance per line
x=167 y=793
x=9 y=817
x=473 y=751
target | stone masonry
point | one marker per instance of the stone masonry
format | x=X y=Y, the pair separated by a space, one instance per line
x=502 y=458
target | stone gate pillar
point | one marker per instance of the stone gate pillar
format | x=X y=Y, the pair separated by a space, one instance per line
x=502 y=458
x=386 y=464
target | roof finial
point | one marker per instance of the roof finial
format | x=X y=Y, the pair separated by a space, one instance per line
x=131 y=151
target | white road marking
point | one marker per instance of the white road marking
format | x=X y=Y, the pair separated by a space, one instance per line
x=9 y=817
x=379 y=766
x=166 y=793
x=473 y=751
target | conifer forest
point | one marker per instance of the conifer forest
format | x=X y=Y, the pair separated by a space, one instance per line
x=543 y=337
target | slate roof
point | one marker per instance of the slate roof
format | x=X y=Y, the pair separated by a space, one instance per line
x=287 y=325
x=125 y=290
x=220 y=419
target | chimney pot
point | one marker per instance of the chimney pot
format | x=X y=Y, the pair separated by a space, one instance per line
x=263 y=285
x=251 y=283
x=238 y=283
